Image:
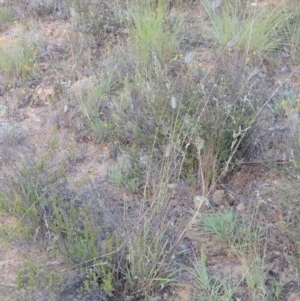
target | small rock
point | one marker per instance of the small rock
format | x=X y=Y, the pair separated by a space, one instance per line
x=294 y=297
x=174 y=202
x=218 y=197
x=285 y=69
x=79 y=158
x=240 y=207
x=172 y=185
x=144 y=160
x=200 y=201
x=154 y=298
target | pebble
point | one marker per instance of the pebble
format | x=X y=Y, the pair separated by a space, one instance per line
x=218 y=197
x=198 y=199
x=240 y=207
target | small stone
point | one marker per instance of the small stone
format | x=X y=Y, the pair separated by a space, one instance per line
x=172 y=185
x=154 y=298
x=79 y=158
x=174 y=202
x=218 y=197
x=285 y=69
x=240 y=207
x=200 y=201
x=144 y=160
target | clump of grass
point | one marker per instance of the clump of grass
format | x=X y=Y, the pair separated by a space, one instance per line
x=255 y=276
x=232 y=230
x=207 y=287
x=149 y=268
x=151 y=251
x=243 y=26
x=27 y=189
x=19 y=60
x=153 y=34
x=92 y=98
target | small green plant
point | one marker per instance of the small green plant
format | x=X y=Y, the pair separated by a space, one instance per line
x=72 y=150
x=287 y=103
x=27 y=276
x=6 y=15
x=52 y=144
x=35 y=275
x=19 y=60
x=79 y=230
x=28 y=189
x=207 y=287
x=127 y=176
x=80 y=236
